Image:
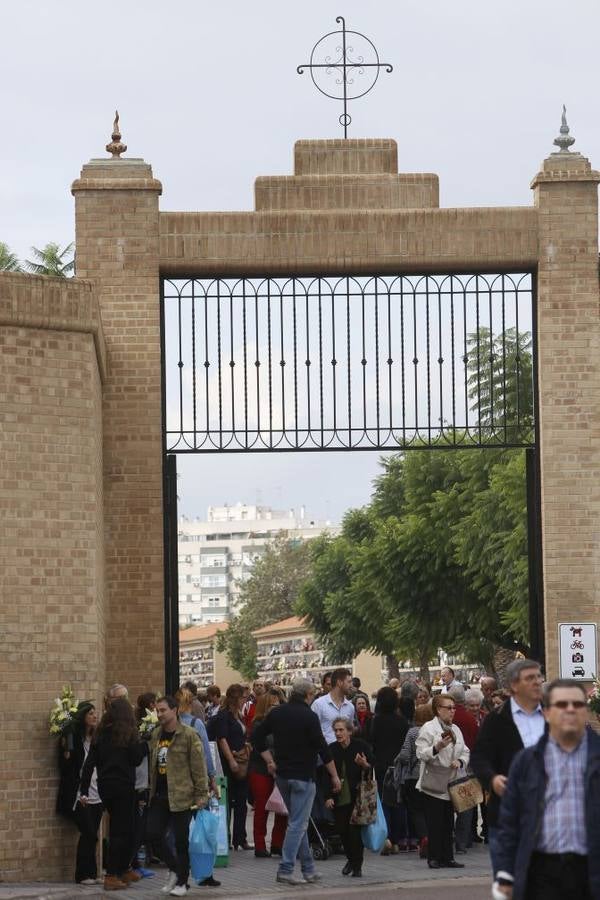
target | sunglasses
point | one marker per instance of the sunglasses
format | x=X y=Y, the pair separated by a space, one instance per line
x=447 y=707
x=564 y=704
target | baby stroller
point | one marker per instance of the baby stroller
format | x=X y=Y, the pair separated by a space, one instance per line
x=323 y=840
x=322 y=837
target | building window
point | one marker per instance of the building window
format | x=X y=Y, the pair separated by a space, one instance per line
x=213 y=581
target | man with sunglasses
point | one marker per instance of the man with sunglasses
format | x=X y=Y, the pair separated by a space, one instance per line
x=549 y=828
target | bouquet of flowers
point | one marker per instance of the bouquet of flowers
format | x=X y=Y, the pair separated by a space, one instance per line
x=61 y=714
x=148 y=723
x=594 y=697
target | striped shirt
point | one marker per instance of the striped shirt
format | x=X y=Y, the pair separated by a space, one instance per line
x=563 y=827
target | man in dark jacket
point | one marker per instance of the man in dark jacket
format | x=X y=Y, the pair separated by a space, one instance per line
x=297 y=739
x=519 y=723
x=549 y=829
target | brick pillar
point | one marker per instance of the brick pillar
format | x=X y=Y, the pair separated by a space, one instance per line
x=566 y=195
x=117 y=234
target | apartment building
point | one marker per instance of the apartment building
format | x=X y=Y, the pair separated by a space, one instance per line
x=217 y=553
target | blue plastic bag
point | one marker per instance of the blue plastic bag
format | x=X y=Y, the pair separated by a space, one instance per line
x=373 y=836
x=203 y=844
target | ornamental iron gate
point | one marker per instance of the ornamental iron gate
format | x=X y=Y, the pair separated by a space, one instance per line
x=348 y=363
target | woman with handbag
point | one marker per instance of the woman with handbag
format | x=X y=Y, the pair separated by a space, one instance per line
x=352 y=758
x=230 y=734
x=261 y=784
x=441 y=749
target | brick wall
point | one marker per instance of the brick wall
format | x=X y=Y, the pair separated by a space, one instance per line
x=52 y=618
x=116 y=215
x=566 y=196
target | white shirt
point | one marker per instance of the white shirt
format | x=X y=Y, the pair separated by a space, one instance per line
x=328 y=711
x=530 y=725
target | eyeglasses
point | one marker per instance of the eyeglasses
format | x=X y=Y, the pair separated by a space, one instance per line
x=564 y=704
x=447 y=707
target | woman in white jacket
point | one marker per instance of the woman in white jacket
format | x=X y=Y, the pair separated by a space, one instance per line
x=442 y=751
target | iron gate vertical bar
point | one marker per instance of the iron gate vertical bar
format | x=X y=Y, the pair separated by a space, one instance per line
x=534 y=507
x=170 y=554
x=534 y=549
x=171 y=569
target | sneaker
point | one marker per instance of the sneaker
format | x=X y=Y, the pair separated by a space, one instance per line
x=209 y=882
x=282 y=878
x=88 y=881
x=170 y=883
x=387 y=847
x=180 y=890
x=312 y=877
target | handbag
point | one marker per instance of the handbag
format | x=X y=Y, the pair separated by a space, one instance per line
x=435 y=779
x=390 y=792
x=465 y=792
x=275 y=803
x=374 y=835
x=242 y=758
x=365 y=805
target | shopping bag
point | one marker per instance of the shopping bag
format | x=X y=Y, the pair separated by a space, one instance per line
x=465 y=793
x=374 y=835
x=203 y=844
x=275 y=803
x=365 y=805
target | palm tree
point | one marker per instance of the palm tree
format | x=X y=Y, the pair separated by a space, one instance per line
x=50 y=260
x=8 y=260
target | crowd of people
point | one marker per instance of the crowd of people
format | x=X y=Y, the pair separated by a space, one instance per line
x=304 y=757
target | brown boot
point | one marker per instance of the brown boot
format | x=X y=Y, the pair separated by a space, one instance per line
x=130 y=876
x=114 y=883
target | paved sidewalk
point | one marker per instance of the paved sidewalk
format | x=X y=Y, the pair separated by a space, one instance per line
x=246 y=876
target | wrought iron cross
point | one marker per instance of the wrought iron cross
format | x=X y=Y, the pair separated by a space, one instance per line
x=342 y=66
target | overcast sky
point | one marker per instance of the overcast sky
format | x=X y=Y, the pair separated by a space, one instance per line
x=208 y=94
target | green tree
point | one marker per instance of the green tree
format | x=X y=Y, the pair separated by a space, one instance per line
x=268 y=595
x=51 y=260
x=500 y=383
x=8 y=260
x=439 y=557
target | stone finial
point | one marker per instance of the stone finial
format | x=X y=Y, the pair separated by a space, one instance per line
x=564 y=140
x=115 y=148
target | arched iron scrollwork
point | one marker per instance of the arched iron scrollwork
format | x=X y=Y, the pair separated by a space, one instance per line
x=348 y=363
x=339 y=69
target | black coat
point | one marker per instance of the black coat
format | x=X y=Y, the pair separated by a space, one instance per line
x=297 y=739
x=115 y=766
x=69 y=766
x=387 y=738
x=343 y=757
x=497 y=744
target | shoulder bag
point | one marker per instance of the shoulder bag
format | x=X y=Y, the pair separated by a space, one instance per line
x=465 y=792
x=365 y=805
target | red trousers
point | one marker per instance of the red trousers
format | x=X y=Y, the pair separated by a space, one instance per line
x=261 y=787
